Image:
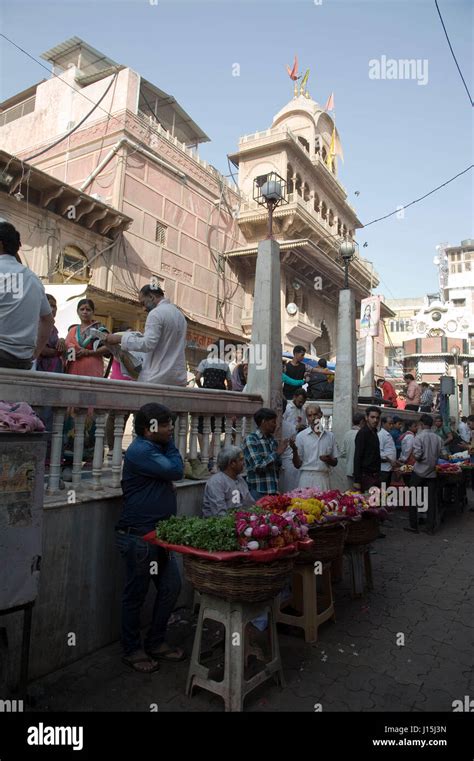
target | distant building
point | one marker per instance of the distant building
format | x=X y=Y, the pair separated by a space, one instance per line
x=425 y=330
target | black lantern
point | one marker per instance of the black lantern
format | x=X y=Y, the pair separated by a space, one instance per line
x=270 y=190
x=347 y=251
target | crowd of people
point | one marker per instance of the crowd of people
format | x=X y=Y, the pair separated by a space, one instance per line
x=372 y=450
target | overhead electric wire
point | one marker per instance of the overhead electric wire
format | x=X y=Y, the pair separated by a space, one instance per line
x=406 y=206
x=452 y=52
x=51 y=73
x=79 y=124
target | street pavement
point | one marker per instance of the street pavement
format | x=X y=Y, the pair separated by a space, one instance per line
x=423 y=596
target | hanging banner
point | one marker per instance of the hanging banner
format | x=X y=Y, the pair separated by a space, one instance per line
x=369 y=316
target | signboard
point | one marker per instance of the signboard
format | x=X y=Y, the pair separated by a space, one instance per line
x=431 y=368
x=361 y=343
x=369 y=316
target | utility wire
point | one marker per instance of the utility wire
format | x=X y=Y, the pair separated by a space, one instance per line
x=51 y=73
x=79 y=124
x=419 y=199
x=452 y=52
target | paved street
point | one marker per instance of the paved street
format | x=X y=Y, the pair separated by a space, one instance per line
x=423 y=589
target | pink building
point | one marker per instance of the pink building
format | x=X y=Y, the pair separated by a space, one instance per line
x=110 y=135
x=136 y=151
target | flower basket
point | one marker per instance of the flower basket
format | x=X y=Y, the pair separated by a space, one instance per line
x=363 y=531
x=328 y=543
x=241 y=581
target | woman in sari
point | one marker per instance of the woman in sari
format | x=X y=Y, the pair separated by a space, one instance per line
x=84 y=357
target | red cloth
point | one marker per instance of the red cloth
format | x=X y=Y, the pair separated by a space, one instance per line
x=257 y=556
x=389 y=393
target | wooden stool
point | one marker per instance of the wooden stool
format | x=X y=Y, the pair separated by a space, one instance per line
x=234 y=616
x=307 y=602
x=359 y=562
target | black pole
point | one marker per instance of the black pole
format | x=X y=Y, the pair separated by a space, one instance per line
x=346 y=274
x=270 y=219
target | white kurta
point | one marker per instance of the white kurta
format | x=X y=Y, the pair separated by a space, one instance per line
x=313 y=472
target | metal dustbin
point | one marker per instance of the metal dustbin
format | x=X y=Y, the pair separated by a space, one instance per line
x=22 y=463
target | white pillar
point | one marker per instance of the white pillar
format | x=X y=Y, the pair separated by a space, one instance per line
x=265 y=360
x=454 y=399
x=345 y=382
x=465 y=397
x=367 y=382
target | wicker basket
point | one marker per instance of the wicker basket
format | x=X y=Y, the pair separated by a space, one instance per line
x=242 y=581
x=363 y=531
x=328 y=543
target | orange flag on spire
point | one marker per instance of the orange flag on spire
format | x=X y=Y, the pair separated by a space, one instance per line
x=330 y=103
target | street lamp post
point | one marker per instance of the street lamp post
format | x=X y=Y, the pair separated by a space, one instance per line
x=347 y=253
x=465 y=389
x=345 y=381
x=270 y=190
x=264 y=376
x=455 y=351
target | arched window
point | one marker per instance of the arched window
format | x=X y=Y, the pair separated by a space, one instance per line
x=289 y=179
x=316 y=203
x=298 y=184
x=73 y=262
x=324 y=154
x=331 y=218
x=324 y=210
x=306 y=192
x=339 y=227
x=304 y=143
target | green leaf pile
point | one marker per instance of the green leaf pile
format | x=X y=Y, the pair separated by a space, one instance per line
x=211 y=534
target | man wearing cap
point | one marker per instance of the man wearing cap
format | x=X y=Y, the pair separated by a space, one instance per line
x=25 y=313
x=163 y=342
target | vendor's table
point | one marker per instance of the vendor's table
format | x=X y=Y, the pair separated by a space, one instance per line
x=305 y=600
x=451 y=493
x=234 y=616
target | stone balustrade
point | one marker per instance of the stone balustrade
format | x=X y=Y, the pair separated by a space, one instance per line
x=65 y=392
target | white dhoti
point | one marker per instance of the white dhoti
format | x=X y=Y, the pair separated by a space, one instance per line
x=289 y=475
x=314 y=479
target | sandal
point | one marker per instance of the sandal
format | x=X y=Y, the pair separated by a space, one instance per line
x=148 y=664
x=169 y=655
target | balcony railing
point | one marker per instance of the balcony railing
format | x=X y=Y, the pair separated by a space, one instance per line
x=65 y=392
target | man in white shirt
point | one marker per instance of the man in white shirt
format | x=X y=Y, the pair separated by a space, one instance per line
x=464 y=430
x=293 y=421
x=348 y=447
x=25 y=313
x=315 y=452
x=163 y=342
x=388 y=451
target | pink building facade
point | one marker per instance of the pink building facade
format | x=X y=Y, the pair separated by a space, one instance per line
x=136 y=152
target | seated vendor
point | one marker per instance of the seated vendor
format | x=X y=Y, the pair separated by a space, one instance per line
x=227 y=489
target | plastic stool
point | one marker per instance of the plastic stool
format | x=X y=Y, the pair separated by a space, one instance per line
x=234 y=616
x=359 y=562
x=309 y=619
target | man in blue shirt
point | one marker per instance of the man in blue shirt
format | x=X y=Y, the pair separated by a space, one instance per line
x=151 y=464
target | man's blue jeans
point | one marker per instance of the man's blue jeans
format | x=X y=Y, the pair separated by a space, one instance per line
x=139 y=556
